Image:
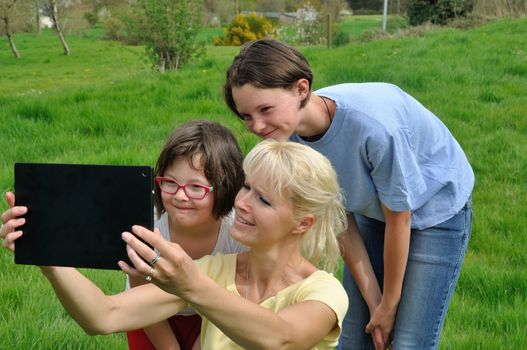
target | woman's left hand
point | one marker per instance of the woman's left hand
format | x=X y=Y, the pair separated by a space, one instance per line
x=173 y=271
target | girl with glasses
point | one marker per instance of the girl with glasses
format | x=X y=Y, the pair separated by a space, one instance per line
x=198 y=174
x=277 y=295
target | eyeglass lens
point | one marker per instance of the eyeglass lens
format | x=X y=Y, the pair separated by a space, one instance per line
x=191 y=190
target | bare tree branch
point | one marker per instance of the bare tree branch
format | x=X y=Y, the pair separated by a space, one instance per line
x=6 y=11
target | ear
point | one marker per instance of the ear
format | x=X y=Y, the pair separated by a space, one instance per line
x=302 y=88
x=304 y=224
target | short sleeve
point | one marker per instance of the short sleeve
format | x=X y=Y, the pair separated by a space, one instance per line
x=328 y=290
x=396 y=172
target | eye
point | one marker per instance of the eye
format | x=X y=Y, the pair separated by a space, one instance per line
x=246 y=187
x=266 y=109
x=264 y=201
x=246 y=118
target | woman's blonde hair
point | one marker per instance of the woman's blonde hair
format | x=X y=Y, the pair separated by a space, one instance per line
x=307 y=178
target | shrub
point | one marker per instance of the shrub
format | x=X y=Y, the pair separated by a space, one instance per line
x=169 y=29
x=125 y=28
x=244 y=28
x=308 y=29
x=114 y=29
x=438 y=11
x=340 y=38
x=91 y=18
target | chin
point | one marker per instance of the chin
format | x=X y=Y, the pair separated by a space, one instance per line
x=282 y=137
x=237 y=236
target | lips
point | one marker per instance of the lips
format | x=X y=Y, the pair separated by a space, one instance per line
x=181 y=208
x=242 y=221
x=267 y=135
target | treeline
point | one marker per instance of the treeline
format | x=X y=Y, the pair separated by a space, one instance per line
x=215 y=12
x=482 y=8
x=167 y=28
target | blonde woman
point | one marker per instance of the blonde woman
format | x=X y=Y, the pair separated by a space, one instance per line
x=275 y=296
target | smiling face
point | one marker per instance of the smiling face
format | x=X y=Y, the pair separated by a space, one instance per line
x=182 y=210
x=262 y=216
x=271 y=112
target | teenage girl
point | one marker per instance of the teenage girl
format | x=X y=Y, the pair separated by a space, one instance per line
x=406 y=180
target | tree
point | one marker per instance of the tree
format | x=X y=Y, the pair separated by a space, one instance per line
x=333 y=7
x=51 y=8
x=36 y=9
x=7 y=8
x=169 y=29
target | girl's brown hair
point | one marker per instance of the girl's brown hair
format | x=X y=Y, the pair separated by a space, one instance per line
x=221 y=161
x=266 y=63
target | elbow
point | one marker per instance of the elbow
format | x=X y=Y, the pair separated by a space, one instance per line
x=92 y=333
x=94 y=330
x=100 y=327
x=104 y=322
x=280 y=342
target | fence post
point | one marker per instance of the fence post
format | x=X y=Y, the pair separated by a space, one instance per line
x=330 y=31
x=384 y=15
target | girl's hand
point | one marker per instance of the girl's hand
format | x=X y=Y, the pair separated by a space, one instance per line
x=11 y=220
x=174 y=271
x=381 y=321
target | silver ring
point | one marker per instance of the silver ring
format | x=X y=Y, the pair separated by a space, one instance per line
x=155 y=259
x=150 y=275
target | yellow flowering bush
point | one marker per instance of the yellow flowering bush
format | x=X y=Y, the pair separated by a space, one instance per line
x=244 y=28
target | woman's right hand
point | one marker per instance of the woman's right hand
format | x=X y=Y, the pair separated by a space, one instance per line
x=11 y=220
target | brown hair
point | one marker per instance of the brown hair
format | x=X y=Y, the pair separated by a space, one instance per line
x=266 y=63
x=221 y=160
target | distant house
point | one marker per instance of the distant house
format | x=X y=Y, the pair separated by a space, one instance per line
x=45 y=22
x=345 y=13
x=281 y=17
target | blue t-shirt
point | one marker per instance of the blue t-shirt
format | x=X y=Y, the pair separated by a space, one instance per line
x=385 y=146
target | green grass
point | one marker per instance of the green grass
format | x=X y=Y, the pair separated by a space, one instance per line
x=102 y=104
x=358 y=25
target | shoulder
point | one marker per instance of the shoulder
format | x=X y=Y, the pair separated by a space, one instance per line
x=324 y=287
x=321 y=280
x=373 y=89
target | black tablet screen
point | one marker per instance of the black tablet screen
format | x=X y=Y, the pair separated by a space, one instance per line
x=76 y=213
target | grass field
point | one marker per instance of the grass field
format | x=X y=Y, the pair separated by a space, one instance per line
x=103 y=105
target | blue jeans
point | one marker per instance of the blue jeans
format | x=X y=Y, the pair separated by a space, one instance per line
x=433 y=268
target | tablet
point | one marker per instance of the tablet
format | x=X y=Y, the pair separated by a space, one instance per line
x=77 y=212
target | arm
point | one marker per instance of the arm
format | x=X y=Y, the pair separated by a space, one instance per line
x=98 y=313
x=250 y=325
x=396 y=248
x=299 y=326
x=94 y=311
x=160 y=334
x=356 y=258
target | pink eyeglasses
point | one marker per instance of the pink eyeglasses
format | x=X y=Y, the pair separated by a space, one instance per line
x=193 y=191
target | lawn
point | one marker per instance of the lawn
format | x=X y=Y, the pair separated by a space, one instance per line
x=103 y=105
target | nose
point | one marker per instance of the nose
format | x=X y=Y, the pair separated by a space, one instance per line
x=240 y=202
x=180 y=194
x=258 y=125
